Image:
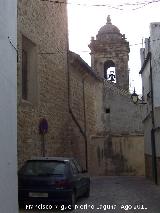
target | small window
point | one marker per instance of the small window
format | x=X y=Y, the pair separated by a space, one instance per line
x=107 y=110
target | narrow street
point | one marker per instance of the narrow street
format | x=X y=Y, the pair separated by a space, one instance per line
x=119 y=194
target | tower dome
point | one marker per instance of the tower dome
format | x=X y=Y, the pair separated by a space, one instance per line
x=109 y=31
x=110 y=55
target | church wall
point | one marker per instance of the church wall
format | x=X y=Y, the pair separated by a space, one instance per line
x=116 y=114
x=125 y=121
x=122 y=129
x=99 y=108
x=124 y=155
x=117 y=155
x=125 y=117
x=97 y=156
x=82 y=105
x=44 y=26
x=77 y=108
x=119 y=126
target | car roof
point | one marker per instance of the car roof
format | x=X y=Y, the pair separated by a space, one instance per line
x=51 y=158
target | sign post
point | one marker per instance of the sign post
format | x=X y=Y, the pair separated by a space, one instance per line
x=43 y=129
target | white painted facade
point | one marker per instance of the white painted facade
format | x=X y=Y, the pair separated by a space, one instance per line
x=150 y=73
x=8 y=107
x=155 y=50
x=152 y=45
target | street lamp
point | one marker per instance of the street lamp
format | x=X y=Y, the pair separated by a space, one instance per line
x=134 y=97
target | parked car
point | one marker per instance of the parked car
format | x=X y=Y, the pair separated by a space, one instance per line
x=52 y=179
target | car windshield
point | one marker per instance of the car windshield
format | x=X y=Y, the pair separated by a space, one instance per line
x=43 y=168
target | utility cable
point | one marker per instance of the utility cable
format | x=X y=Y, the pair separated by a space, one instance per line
x=118 y=7
x=87 y=51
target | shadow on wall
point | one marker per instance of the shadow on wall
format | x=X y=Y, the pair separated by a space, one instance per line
x=119 y=157
x=96 y=156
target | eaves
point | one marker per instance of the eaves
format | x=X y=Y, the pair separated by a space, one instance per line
x=88 y=69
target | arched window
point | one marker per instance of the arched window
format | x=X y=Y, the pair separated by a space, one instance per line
x=109 y=71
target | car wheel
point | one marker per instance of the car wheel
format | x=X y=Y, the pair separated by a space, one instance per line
x=87 y=193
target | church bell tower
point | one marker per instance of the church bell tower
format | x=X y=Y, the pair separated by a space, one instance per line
x=110 y=55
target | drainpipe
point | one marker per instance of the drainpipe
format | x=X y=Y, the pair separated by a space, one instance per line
x=85 y=123
x=153 y=143
x=83 y=132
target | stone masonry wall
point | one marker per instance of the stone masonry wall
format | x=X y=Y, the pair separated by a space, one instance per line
x=45 y=24
x=97 y=157
x=119 y=125
x=124 y=155
x=102 y=51
x=124 y=117
x=82 y=104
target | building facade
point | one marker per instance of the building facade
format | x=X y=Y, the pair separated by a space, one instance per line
x=54 y=86
x=105 y=121
x=82 y=86
x=119 y=120
x=150 y=60
x=8 y=107
x=66 y=107
x=42 y=79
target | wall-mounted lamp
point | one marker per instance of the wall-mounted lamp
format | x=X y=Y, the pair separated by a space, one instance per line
x=134 y=97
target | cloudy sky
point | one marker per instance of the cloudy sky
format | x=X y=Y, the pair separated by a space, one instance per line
x=132 y=17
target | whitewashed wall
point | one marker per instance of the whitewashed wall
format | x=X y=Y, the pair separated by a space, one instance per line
x=8 y=105
x=155 y=62
x=155 y=49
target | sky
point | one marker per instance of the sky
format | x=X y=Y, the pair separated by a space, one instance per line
x=132 y=17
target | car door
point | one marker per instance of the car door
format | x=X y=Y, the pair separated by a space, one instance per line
x=84 y=177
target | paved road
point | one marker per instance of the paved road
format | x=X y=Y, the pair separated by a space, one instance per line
x=119 y=194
